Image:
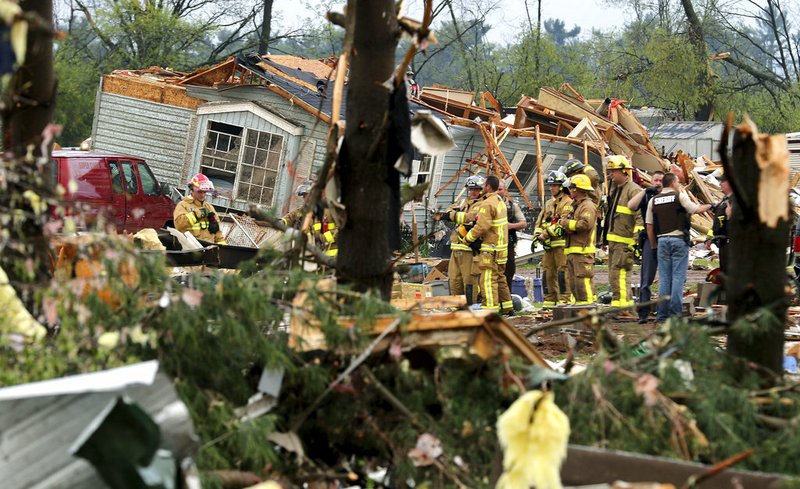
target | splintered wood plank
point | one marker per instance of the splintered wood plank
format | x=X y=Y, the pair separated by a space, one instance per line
x=702 y=187
x=795 y=180
x=514 y=339
x=435 y=302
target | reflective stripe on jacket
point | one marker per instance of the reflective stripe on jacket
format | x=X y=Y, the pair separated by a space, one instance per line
x=581 y=228
x=458 y=213
x=623 y=223
x=491 y=226
x=321 y=234
x=556 y=207
x=186 y=219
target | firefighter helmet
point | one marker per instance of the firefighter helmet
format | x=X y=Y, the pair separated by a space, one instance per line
x=475 y=181
x=581 y=182
x=573 y=166
x=202 y=183
x=555 y=177
x=619 y=162
x=304 y=188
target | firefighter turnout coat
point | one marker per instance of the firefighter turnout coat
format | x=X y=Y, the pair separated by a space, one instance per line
x=460 y=271
x=491 y=226
x=189 y=216
x=580 y=249
x=553 y=238
x=622 y=228
x=323 y=231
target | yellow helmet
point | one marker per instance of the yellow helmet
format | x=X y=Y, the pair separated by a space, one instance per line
x=581 y=182
x=619 y=162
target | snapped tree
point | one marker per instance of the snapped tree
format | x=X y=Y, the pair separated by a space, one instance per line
x=364 y=240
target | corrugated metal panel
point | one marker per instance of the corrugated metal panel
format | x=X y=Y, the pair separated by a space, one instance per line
x=155 y=132
x=36 y=434
x=687 y=130
x=693 y=147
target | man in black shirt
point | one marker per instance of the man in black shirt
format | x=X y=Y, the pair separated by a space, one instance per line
x=668 y=225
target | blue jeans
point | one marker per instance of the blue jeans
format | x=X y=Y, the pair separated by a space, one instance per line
x=647 y=275
x=673 y=261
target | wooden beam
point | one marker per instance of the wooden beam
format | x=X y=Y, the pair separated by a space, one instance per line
x=498 y=162
x=540 y=176
x=585 y=153
x=338 y=87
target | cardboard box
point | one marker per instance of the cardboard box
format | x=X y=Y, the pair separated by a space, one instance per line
x=435 y=274
x=403 y=290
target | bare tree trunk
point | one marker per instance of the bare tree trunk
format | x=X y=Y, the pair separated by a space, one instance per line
x=705 y=82
x=471 y=81
x=30 y=102
x=756 y=281
x=266 y=22
x=33 y=87
x=538 y=41
x=364 y=240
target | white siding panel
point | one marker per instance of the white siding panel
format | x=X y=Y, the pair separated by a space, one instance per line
x=149 y=130
x=793 y=143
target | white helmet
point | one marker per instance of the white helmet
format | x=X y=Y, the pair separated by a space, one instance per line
x=475 y=181
x=304 y=188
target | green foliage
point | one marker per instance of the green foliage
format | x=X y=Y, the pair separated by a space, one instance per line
x=78 y=81
x=715 y=415
x=145 y=34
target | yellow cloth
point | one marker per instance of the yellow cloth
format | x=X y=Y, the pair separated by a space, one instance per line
x=15 y=318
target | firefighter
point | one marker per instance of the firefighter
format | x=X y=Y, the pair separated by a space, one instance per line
x=196 y=215
x=581 y=227
x=460 y=270
x=323 y=230
x=621 y=231
x=549 y=232
x=718 y=234
x=491 y=227
x=516 y=222
x=577 y=167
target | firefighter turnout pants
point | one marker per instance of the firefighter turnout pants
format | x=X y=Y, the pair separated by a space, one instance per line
x=581 y=271
x=620 y=264
x=459 y=274
x=554 y=264
x=503 y=290
x=491 y=274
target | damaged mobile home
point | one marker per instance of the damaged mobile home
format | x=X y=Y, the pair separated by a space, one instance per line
x=256 y=125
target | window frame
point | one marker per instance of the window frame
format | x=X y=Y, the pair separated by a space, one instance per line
x=245 y=150
x=416 y=165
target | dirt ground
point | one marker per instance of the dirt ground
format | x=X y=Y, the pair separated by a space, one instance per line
x=600 y=280
x=552 y=344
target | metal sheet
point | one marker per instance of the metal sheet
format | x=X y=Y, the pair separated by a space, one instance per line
x=36 y=432
x=587 y=465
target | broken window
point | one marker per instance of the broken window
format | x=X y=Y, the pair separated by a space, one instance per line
x=244 y=160
x=425 y=167
x=526 y=169
x=422 y=170
x=258 y=172
x=220 y=156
